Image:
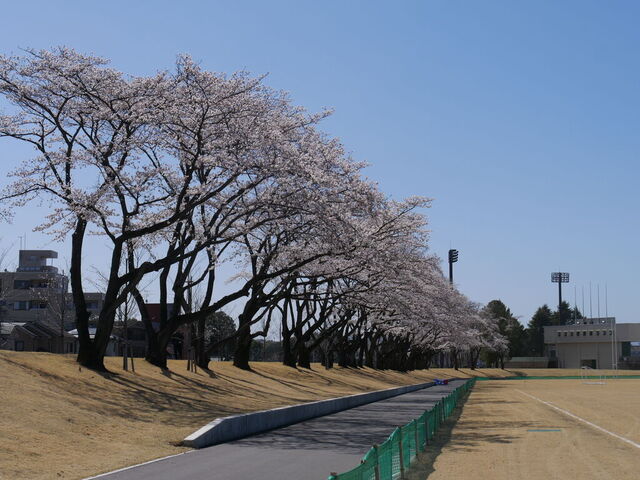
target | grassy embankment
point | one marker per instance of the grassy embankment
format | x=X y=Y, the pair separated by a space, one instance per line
x=59 y=421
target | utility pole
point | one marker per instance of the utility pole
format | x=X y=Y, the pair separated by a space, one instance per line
x=453 y=258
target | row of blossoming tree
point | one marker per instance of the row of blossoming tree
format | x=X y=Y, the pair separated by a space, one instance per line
x=186 y=170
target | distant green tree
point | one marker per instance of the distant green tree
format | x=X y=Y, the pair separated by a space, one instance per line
x=263 y=350
x=509 y=327
x=535 y=330
x=219 y=331
x=566 y=315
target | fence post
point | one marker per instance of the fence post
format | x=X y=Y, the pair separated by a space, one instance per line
x=376 y=468
x=401 y=453
x=426 y=429
x=415 y=431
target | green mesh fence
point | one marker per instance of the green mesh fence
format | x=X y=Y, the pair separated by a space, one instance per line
x=391 y=459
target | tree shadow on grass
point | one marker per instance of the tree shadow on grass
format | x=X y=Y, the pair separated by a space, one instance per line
x=472 y=434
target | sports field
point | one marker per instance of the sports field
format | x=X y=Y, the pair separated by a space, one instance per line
x=541 y=429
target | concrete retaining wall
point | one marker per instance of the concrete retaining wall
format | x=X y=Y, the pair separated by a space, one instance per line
x=238 y=426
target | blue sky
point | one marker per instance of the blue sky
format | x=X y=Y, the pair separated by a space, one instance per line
x=520 y=119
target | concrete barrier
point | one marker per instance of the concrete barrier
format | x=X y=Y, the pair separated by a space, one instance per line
x=226 y=429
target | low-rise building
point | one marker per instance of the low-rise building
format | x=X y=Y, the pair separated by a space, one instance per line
x=593 y=342
x=35 y=337
x=111 y=349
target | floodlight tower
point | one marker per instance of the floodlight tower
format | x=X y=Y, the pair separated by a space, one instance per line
x=453 y=258
x=559 y=278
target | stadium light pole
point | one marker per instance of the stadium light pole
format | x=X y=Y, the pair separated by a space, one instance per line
x=559 y=278
x=453 y=258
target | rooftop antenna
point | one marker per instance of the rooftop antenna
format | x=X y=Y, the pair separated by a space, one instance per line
x=575 y=303
x=583 y=310
x=590 y=304
x=598 y=300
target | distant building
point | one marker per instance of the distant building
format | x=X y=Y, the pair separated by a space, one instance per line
x=35 y=292
x=35 y=337
x=527 y=362
x=175 y=347
x=591 y=343
x=94 y=302
x=135 y=338
x=36 y=309
x=111 y=346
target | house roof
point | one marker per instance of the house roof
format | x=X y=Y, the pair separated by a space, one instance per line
x=7 y=327
x=33 y=329
x=92 y=332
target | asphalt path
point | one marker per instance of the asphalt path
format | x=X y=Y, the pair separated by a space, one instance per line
x=308 y=450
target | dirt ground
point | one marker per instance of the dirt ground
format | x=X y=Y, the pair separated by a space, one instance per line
x=506 y=432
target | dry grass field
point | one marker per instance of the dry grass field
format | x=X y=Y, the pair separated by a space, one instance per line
x=541 y=429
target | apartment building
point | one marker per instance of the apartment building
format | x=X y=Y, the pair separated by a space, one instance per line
x=36 y=291
x=36 y=309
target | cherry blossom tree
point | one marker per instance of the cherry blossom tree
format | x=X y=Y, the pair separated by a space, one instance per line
x=187 y=169
x=143 y=161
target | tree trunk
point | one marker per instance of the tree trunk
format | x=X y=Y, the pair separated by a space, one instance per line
x=242 y=351
x=323 y=356
x=86 y=352
x=304 y=355
x=328 y=364
x=342 y=357
x=360 y=362
x=369 y=352
x=474 y=359
x=107 y=314
x=156 y=353
x=202 y=358
x=157 y=349
x=156 y=356
x=288 y=356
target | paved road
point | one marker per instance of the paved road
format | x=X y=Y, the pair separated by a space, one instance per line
x=305 y=451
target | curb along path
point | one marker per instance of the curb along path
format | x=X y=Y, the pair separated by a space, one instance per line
x=308 y=450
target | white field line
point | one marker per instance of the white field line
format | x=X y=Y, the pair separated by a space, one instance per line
x=137 y=465
x=593 y=425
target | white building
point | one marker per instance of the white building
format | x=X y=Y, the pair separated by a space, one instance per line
x=593 y=342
